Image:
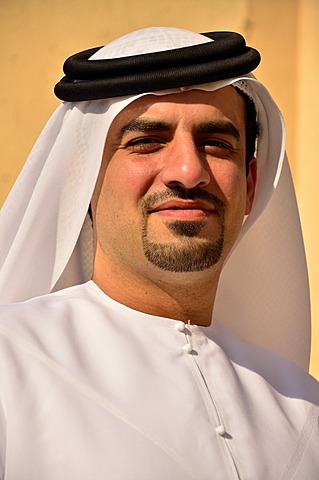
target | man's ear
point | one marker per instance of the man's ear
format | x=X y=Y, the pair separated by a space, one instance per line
x=251 y=180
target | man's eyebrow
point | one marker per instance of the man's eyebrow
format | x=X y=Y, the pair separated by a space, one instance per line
x=220 y=126
x=145 y=125
x=152 y=125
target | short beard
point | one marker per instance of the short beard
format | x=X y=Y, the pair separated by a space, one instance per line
x=186 y=258
x=192 y=254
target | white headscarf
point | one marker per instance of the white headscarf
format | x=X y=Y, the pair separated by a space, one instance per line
x=46 y=238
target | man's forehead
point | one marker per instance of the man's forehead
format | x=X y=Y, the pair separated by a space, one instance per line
x=225 y=99
x=187 y=96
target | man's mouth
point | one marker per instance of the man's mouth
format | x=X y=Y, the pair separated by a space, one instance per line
x=181 y=204
x=183 y=209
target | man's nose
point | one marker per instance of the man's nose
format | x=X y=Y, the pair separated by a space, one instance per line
x=185 y=165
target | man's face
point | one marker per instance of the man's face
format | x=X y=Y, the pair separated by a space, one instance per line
x=172 y=191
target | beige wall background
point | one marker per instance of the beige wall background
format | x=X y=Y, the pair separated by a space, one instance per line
x=36 y=36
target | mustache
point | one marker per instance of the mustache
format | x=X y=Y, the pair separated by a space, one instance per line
x=196 y=193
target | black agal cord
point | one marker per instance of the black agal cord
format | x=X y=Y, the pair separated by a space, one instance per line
x=227 y=56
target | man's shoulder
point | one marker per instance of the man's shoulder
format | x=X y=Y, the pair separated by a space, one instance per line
x=280 y=374
x=41 y=305
x=43 y=314
x=48 y=328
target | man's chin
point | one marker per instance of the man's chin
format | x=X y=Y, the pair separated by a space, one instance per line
x=183 y=228
x=184 y=256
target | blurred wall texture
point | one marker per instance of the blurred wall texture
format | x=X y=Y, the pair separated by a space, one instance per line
x=37 y=36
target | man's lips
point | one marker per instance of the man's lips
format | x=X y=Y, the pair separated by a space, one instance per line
x=179 y=208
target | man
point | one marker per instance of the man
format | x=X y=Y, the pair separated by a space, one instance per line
x=124 y=374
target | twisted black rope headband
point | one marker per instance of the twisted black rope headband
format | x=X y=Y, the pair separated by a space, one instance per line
x=227 y=56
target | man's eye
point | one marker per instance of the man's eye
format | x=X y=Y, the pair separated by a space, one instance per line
x=216 y=145
x=144 y=144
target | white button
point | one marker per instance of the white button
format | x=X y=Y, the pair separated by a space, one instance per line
x=188 y=348
x=220 y=430
x=180 y=327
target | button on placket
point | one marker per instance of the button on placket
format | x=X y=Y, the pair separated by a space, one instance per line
x=188 y=348
x=182 y=328
x=220 y=430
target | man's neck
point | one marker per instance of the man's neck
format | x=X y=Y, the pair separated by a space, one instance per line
x=186 y=297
